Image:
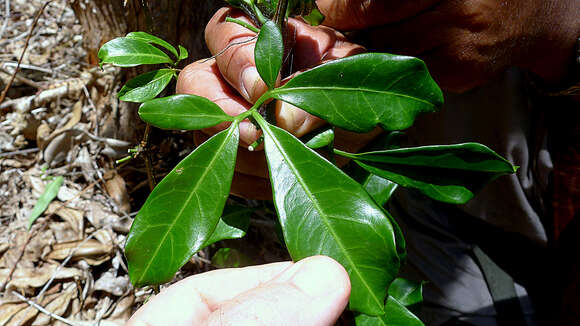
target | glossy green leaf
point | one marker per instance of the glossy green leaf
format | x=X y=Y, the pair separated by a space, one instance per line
x=406 y=292
x=146 y=37
x=146 y=86
x=230 y=258
x=314 y=18
x=125 y=52
x=379 y=188
x=268 y=53
x=233 y=225
x=323 y=211
x=183 y=54
x=396 y=314
x=45 y=199
x=448 y=173
x=182 y=211
x=322 y=139
x=182 y=112
x=359 y=92
x=308 y=10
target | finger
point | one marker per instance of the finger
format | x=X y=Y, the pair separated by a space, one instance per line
x=235 y=61
x=313 y=291
x=361 y=14
x=191 y=301
x=316 y=44
x=202 y=78
x=297 y=121
x=237 y=64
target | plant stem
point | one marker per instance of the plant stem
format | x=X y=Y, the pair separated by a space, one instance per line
x=342 y=153
x=243 y=23
x=280 y=15
x=266 y=96
x=258 y=13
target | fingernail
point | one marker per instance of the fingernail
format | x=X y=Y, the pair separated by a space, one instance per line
x=285 y=116
x=250 y=81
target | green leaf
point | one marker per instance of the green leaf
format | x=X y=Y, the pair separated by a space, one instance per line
x=379 y=188
x=314 y=18
x=45 y=199
x=146 y=37
x=322 y=139
x=125 y=52
x=146 y=86
x=233 y=225
x=359 y=92
x=182 y=211
x=406 y=292
x=183 y=54
x=396 y=314
x=308 y=10
x=182 y=112
x=230 y=258
x=268 y=53
x=448 y=173
x=323 y=211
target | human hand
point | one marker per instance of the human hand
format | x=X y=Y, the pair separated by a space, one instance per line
x=313 y=291
x=466 y=43
x=232 y=82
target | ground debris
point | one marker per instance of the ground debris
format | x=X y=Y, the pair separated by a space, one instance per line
x=70 y=263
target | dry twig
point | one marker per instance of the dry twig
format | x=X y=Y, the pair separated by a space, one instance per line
x=41 y=309
x=36 y=18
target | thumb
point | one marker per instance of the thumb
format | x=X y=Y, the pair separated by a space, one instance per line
x=313 y=292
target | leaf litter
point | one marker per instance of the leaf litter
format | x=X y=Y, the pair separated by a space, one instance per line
x=69 y=269
x=51 y=158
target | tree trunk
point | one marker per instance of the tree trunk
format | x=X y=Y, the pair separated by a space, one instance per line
x=177 y=21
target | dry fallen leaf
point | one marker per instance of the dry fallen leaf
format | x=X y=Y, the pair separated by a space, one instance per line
x=117 y=189
x=9 y=309
x=57 y=305
x=94 y=251
x=124 y=308
x=25 y=278
x=73 y=217
x=109 y=283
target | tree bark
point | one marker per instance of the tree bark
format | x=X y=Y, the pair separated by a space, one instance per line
x=177 y=21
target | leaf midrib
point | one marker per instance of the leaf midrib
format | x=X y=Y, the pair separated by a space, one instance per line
x=282 y=90
x=217 y=115
x=370 y=160
x=191 y=194
x=317 y=206
x=141 y=55
x=159 y=78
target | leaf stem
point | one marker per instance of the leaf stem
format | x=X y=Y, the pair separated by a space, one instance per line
x=280 y=15
x=342 y=153
x=259 y=15
x=243 y=24
x=254 y=109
